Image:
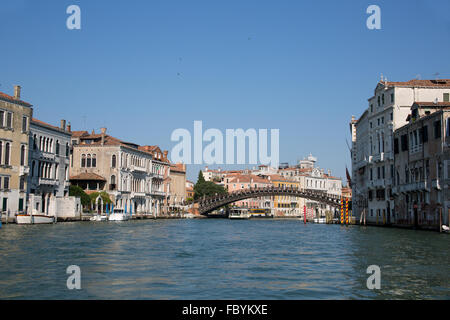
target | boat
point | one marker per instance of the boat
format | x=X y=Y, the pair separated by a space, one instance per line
x=260 y=213
x=99 y=218
x=34 y=219
x=320 y=220
x=118 y=215
x=239 y=213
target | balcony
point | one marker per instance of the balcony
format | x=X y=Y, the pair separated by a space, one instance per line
x=138 y=168
x=414 y=187
x=416 y=149
x=378 y=157
x=378 y=183
x=48 y=182
x=24 y=170
x=158 y=176
x=361 y=163
x=158 y=193
x=436 y=184
x=46 y=155
x=136 y=194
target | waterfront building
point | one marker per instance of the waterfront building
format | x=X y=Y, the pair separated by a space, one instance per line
x=373 y=143
x=235 y=183
x=285 y=205
x=177 y=187
x=130 y=174
x=189 y=189
x=49 y=161
x=422 y=167
x=15 y=117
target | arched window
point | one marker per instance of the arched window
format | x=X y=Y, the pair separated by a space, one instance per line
x=34 y=142
x=113 y=161
x=7 y=152
x=32 y=168
x=22 y=155
x=113 y=179
x=94 y=160
x=57 y=147
x=67 y=149
x=40 y=143
x=83 y=160
x=88 y=162
x=1 y=150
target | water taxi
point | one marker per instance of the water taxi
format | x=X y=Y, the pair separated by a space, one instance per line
x=118 y=215
x=239 y=213
x=260 y=213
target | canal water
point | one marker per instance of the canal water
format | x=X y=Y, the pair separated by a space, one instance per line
x=221 y=259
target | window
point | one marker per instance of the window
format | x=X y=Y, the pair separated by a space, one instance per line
x=437 y=129
x=378 y=100
x=113 y=161
x=392 y=116
x=94 y=161
x=370 y=124
x=83 y=160
x=395 y=145
x=392 y=97
x=1 y=151
x=57 y=147
x=446 y=97
x=24 y=124
x=6 y=183
x=448 y=127
x=2 y=118
x=382 y=98
x=7 y=152
x=22 y=183
x=424 y=130
x=67 y=149
x=22 y=155
x=88 y=162
x=371 y=174
x=404 y=142
x=9 y=120
x=378 y=173
x=371 y=108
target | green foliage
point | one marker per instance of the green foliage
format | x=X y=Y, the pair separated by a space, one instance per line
x=76 y=191
x=206 y=188
x=104 y=195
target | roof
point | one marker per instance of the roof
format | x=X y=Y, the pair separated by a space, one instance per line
x=45 y=124
x=432 y=104
x=87 y=176
x=444 y=83
x=7 y=97
x=248 y=178
x=178 y=167
x=78 y=134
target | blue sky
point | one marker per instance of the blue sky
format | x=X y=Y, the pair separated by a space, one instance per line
x=146 y=68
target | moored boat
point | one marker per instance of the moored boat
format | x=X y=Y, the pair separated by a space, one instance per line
x=239 y=213
x=99 y=218
x=34 y=219
x=118 y=215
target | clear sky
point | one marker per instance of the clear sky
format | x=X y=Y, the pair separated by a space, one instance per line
x=146 y=68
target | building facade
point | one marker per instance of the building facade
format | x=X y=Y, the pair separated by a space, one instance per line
x=15 y=117
x=49 y=164
x=129 y=173
x=372 y=143
x=422 y=167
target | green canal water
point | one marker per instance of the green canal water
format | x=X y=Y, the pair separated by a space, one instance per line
x=221 y=259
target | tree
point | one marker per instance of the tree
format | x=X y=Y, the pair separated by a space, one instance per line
x=76 y=191
x=206 y=188
x=105 y=197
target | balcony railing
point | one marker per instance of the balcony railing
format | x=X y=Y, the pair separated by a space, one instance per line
x=136 y=194
x=414 y=186
x=49 y=182
x=158 y=193
x=138 y=168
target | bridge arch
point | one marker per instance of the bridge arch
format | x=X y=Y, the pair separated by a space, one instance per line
x=209 y=204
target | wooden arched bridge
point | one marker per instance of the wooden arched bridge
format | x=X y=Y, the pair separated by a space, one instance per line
x=206 y=205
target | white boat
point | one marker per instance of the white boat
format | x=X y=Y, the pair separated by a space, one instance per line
x=238 y=213
x=320 y=220
x=99 y=218
x=34 y=219
x=118 y=215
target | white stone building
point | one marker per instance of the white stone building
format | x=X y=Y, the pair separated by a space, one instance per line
x=48 y=177
x=372 y=142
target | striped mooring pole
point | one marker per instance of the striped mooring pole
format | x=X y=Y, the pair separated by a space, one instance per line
x=304 y=214
x=346 y=211
x=342 y=210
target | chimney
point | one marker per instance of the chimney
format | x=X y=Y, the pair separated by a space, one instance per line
x=69 y=127
x=165 y=153
x=103 y=132
x=17 y=92
x=63 y=125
